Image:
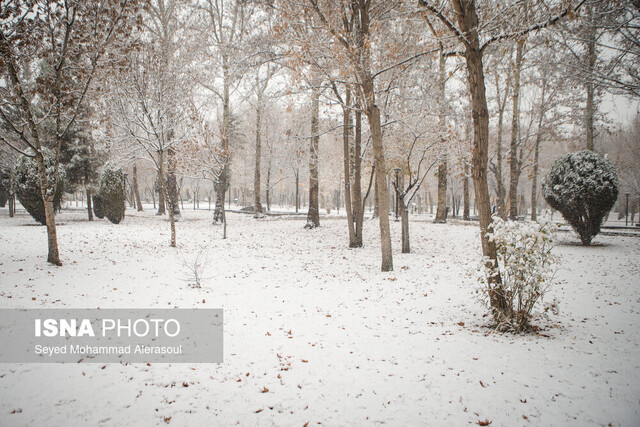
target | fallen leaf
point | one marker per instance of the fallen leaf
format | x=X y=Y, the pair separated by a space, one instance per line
x=484 y=423
x=264 y=390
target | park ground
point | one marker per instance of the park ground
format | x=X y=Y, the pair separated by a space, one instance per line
x=332 y=339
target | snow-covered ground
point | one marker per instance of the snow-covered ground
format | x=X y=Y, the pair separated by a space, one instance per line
x=332 y=339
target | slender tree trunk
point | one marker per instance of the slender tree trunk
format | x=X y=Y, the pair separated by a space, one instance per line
x=514 y=166
x=441 y=212
x=502 y=208
x=313 y=215
x=356 y=195
x=12 y=205
x=465 y=187
x=170 y=208
x=589 y=84
x=172 y=182
x=346 y=123
x=136 y=189
x=161 y=194
x=222 y=185
x=89 y=204
x=257 y=204
x=536 y=153
x=297 y=201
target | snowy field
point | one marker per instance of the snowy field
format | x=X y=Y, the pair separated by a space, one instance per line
x=316 y=335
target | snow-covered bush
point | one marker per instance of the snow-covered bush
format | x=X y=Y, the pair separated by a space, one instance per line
x=26 y=183
x=523 y=274
x=583 y=187
x=112 y=193
x=98 y=211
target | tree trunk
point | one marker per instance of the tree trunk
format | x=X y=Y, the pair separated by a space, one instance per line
x=346 y=122
x=441 y=210
x=465 y=186
x=536 y=152
x=590 y=85
x=502 y=208
x=257 y=204
x=50 y=217
x=373 y=114
x=356 y=195
x=136 y=189
x=172 y=183
x=163 y=190
x=12 y=205
x=89 y=204
x=514 y=166
x=222 y=185
x=313 y=215
x=468 y=21
x=161 y=196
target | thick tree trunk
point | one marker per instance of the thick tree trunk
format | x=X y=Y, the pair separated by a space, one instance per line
x=441 y=210
x=136 y=189
x=373 y=114
x=53 y=256
x=313 y=215
x=257 y=204
x=514 y=166
x=468 y=21
x=89 y=204
x=172 y=183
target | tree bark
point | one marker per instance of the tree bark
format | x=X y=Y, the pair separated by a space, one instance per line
x=257 y=204
x=222 y=184
x=589 y=84
x=356 y=195
x=136 y=189
x=465 y=186
x=172 y=183
x=514 y=166
x=53 y=256
x=373 y=114
x=89 y=204
x=313 y=214
x=170 y=208
x=441 y=210
x=500 y=191
x=161 y=195
x=346 y=123
x=467 y=18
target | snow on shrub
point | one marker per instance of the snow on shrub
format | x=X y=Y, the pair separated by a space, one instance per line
x=583 y=187
x=26 y=183
x=523 y=273
x=112 y=193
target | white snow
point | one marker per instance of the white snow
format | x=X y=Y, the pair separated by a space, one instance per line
x=334 y=340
